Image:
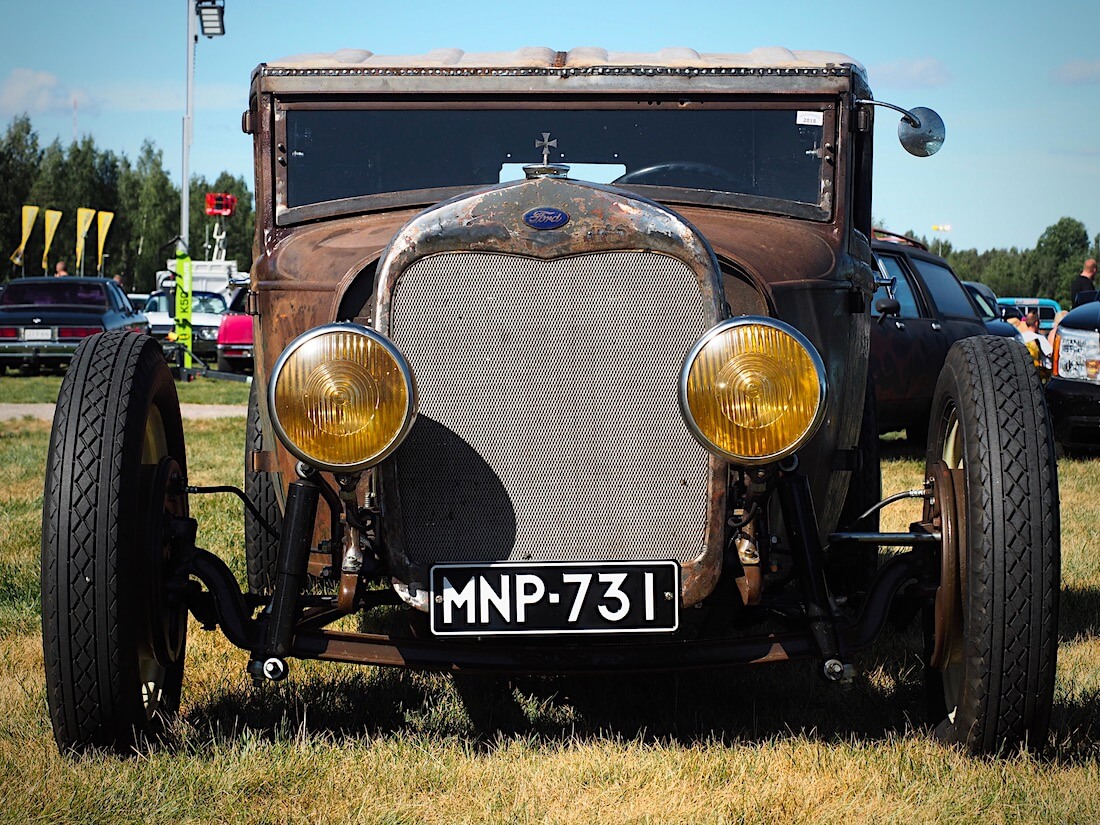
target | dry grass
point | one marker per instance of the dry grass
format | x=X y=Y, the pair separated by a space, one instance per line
x=345 y=744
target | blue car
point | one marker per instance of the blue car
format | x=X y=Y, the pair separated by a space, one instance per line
x=1047 y=308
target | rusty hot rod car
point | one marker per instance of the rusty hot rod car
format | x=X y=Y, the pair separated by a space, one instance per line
x=565 y=355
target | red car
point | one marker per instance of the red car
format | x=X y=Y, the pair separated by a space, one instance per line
x=235 y=337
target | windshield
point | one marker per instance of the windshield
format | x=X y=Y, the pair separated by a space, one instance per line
x=54 y=293
x=984 y=309
x=766 y=153
x=200 y=302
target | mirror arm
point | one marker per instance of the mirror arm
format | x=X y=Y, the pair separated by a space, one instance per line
x=912 y=119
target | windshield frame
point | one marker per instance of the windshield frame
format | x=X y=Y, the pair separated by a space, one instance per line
x=822 y=211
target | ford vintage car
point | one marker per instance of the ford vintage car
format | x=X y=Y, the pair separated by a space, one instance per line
x=563 y=355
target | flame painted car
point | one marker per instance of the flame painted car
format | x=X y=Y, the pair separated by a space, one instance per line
x=565 y=355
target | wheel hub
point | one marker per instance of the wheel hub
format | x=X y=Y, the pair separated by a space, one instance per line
x=945 y=511
x=164 y=630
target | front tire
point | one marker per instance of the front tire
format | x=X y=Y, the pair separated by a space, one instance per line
x=113 y=630
x=992 y=672
x=261 y=549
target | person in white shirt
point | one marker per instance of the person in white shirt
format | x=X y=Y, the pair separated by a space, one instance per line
x=1042 y=353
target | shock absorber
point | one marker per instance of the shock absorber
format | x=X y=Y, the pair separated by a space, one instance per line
x=291 y=567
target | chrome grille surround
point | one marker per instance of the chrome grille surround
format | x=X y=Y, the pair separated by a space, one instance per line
x=549 y=427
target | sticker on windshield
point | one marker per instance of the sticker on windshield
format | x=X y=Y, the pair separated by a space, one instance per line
x=810 y=119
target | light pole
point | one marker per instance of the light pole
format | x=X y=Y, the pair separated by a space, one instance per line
x=209 y=15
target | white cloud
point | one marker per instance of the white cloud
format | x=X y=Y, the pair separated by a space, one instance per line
x=167 y=96
x=1078 y=72
x=921 y=73
x=37 y=92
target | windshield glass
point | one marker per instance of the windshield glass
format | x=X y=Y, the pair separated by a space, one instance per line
x=54 y=293
x=200 y=302
x=769 y=153
x=984 y=309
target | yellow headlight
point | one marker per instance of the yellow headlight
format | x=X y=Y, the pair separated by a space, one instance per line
x=342 y=397
x=753 y=390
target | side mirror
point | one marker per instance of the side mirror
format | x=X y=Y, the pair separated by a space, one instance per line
x=887 y=306
x=921 y=132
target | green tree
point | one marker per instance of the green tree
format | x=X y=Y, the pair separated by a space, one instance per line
x=1059 y=253
x=148 y=217
x=19 y=160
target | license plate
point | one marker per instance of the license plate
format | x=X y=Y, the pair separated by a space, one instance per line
x=550 y=598
x=37 y=334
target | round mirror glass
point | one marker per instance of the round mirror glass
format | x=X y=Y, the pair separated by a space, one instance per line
x=923 y=140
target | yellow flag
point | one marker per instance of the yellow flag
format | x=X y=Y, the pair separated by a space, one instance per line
x=29 y=215
x=103 y=220
x=53 y=218
x=84 y=217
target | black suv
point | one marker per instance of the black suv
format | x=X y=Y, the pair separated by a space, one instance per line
x=920 y=309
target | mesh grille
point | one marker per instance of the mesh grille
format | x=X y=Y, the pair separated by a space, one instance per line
x=549 y=427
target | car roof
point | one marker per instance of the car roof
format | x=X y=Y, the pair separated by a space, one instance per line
x=162 y=292
x=53 y=279
x=1027 y=301
x=916 y=250
x=582 y=57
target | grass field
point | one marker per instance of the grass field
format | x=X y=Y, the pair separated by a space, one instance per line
x=43 y=389
x=344 y=744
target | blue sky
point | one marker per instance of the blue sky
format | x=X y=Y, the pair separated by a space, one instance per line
x=1018 y=84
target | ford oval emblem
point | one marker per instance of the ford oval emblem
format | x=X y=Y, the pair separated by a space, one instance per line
x=546 y=217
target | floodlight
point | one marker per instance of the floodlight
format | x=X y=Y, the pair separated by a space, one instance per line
x=211 y=17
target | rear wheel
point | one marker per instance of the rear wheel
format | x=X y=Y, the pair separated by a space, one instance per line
x=114 y=624
x=261 y=548
x=993 y=637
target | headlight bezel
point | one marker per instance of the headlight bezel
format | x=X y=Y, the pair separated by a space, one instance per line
x=411 y=408
x=1084 y=347
x=815 y=359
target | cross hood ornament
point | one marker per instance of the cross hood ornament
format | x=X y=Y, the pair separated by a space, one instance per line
x=545 y=145
x=546 y=169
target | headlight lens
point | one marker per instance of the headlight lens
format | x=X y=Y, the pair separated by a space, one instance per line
x=1077 y=354
x=753 y=390
x=342 y=397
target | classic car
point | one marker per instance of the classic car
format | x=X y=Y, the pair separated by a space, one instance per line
x=235 y=336
x=562 y=358
x=920 y=309
x=207 y=309
x=42 y=320
x=1046 y=308
x=1074 y=388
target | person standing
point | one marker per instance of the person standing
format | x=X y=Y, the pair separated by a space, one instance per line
x=1042 y=353
x=61 y=270
x=1085 y=281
